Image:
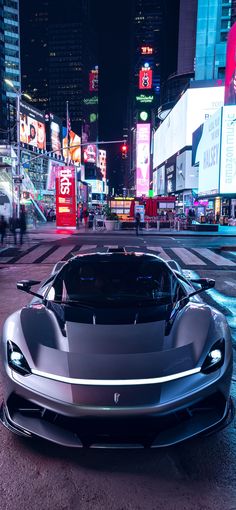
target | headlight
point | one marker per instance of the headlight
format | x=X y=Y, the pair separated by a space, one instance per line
x=215 y=357
x=16 y=359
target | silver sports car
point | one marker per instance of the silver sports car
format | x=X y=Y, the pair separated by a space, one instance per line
x=116 y=350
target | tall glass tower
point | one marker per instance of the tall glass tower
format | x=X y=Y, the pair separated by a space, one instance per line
x=9 y=60
x=213 y=24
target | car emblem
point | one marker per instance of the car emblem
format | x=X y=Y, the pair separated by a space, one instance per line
x=116 y=397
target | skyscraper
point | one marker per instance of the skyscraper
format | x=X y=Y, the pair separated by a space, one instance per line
x=213 y=24
x=9 y=60
x=58 y=52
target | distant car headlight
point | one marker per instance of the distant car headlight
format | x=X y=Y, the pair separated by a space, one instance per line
x=215 y=357
x=16 y=359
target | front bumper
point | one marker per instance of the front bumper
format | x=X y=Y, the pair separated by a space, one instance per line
x=201 y=408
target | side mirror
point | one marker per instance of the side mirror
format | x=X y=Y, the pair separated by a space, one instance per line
x=26 y=285
x=206 y=283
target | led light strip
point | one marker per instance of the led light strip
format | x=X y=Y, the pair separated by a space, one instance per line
x=116 y=382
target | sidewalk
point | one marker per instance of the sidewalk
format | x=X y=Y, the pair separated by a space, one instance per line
x=49 y=228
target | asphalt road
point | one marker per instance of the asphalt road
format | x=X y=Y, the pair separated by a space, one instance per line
x=197 y=475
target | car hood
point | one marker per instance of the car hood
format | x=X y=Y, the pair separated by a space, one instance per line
x=108 y=351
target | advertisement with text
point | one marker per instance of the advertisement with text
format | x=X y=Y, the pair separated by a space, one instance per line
x=142 y=159
x=32 y=128
x=66 y=197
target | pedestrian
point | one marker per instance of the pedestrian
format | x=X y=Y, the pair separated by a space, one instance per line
x=3 y=229
x=22 y=223
x=137 y=222
x=85 y=216
x=12 y=227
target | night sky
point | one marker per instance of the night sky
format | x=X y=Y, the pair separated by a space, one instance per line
x=112 y=20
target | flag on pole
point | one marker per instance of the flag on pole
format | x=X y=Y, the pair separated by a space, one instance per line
x=68 y=129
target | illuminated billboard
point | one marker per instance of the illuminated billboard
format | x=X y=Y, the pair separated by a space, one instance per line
x=145 y=78
x=146 y=50
x=230 y=71
x=228 y=150
x=93 y=80
x=142 y=159
x=90 y=154
x=186 y=174
x=175 y=132
x=102 y=158
x=72 y=149
x=154 y=183
x=144 y=99
x=51 y=175
x=170 y=179
x=97 y=186
x=207 y=155
x=66 y=196
x=32 y=128
x=75 y=147
x=54 y=134
x=161 y=180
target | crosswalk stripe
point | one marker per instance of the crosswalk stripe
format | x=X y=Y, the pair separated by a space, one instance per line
x=231 y=284
x=112 y=246
x=87 y=247
x=33 y=255
x=187 y=257
x=59 y=254
x=218 y=260
x=5 y=260
x=160 y=251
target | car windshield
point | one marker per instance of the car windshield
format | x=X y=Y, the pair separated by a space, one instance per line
x=116 y=279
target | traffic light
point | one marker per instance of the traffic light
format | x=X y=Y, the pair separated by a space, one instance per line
x=124 y=151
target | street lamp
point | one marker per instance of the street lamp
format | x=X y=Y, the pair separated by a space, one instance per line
x=18 y=97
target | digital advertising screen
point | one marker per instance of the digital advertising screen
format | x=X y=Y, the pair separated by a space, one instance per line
x=170 y=179
x=97 y=186
x=54 y=134
x=66 y=197
x=32 y=128
x=145 y=79
x=186 y=174
x=142 y=159
x=175 y=132
x=93 y=80
x=75 y=147
x=51 y=175
x=90 y=154
x=102 y=158
x=207 y=155
x=161 y=180
x=154 y=183
x=230 y=70
x=228 y=150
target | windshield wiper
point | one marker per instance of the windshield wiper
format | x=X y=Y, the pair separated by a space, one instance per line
x=71 y=302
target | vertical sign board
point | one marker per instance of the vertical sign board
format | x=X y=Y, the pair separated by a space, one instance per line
x=142 y=159
x=228 y=151
x=66 y=197
x=230 y=71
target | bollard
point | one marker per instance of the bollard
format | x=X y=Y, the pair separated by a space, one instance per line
x=158 y=225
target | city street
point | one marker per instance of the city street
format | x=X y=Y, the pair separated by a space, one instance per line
x=199 y=474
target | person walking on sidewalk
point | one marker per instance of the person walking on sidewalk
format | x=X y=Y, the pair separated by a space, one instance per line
x=3 y=229
x=137 y=222
x=22 y=223
x=85 y=215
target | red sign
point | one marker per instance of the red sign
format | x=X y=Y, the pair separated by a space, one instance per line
x=145 y=79
x=66 y=196
x=93 y=80
x=230 y=71
x=146 y=50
